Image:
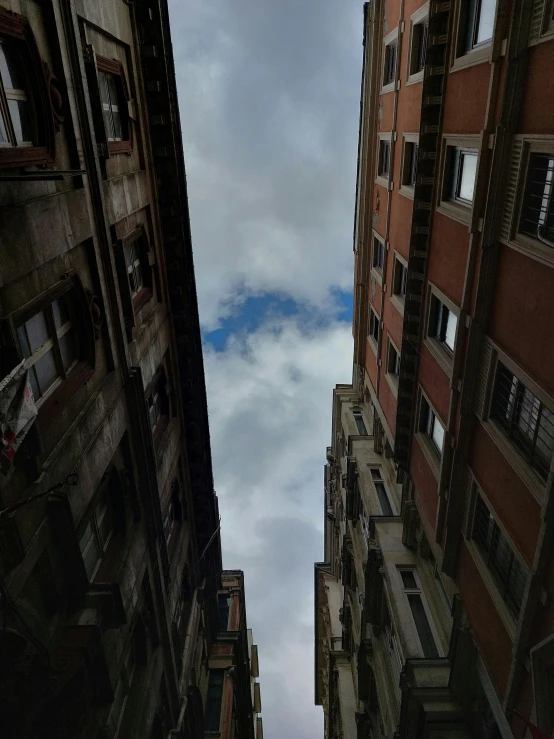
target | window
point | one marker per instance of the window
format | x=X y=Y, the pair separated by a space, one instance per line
x=383 y=168
x=400 y=278
x=113 y=99
x=224 y=602
x=381 y=490
x=393 y=361
x=49 y=341
x=158 y=405
x=134 y=274
x=525 y=420
x=418 y=43
x=537 y=212
x=27 y=134
x=410 y=151
x=418 y=608
x=97 y=534
x=378 y=254
x=443 y=323
x=463 y=169
x=389 y=65
x=360 y=425
x=430 y=426
x=213 y=700
x=508 y=571
x=477 y=23
x=373 y=326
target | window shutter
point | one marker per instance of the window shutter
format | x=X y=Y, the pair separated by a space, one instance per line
x=95 y=102
x=537 y=15
x=483 y=380
x=511 y=191
x=124 y=290
x=467 y=515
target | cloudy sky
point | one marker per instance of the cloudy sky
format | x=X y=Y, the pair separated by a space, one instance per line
x=269 y=101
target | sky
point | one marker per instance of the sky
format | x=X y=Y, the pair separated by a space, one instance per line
x=269 y=100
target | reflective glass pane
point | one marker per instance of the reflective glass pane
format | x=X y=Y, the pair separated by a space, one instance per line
x=22 y=336
x=46 y=370
x=61 y=313
x=110 y=79
x=37 y=331
x=450 y=336
x=108 y=125
x=138 y=277
x=103 y=87
x=408 y=579
x=3 y=132
x=116 y=117
x=422 y=626
x=437 y=434
x=468 y=164
x=68 y=349
x=485 y=22
x=9 y=68
x=21 y=120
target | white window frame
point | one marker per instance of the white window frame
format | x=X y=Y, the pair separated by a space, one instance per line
x=396 y=298
x=372 y=342
x=381 y=479
x=430 y=450
x=442 y=355
x=378 y=273
x=456 y=209
x=419 y=591
x=391 y=379
x=384 y=180
x=479 y=54
x=520 y=161
x=419 y=18
x=408 y=140
x=392 y=37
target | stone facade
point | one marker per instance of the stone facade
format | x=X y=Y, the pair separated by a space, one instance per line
x=110 y=558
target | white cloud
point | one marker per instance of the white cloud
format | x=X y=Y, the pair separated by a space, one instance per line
x=270 y=396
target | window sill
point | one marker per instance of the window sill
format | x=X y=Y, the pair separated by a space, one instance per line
x=444 y=359
x=505 y=615
x=460 y=213
x=398 y=303
x=430 y=453
x=532 y=481
x=472 y=58
x=407 y=191
x=415 y=78
x=378 y=274
x=120 y=147
x=388 y=88
x=26 y=156
x=392 y=382
x=383 y=181
x=533 y=249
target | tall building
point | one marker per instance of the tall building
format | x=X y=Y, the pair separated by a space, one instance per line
x=234 y=703
x=435 y=602
x=110 y=560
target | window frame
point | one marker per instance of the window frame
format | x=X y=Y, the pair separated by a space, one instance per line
x=115 y=68
x=392 y=39
x=380 y=479
x=419 y=591
x=517 y=239
x=428 y=445
x=358 y=414
x=17 y=30
x=417 y=20
x=481 y=53
x=398 y=299
x=157 y=392
x=458 y=209
x=373 y=316
x=410 y=146
x=56 y=398
x=377 y=272
x=439 y=349
x=384 y=179
x=391 y=377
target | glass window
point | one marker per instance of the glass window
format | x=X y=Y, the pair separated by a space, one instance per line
x=410 y=163
x=389 y=69
x=360 y=425
x=393 y=363
x=373 y=325
x=414 y=597
x=134 y=266
x=224 y=602
x=419 y=46
x=97 y=535
x=381 y=490
x=384 y=158
x=111 y=99
x=378 y=254
x=431 y=426
x=443 y=324
x=48 y=341
x=537 y=212
x=479 y=22
x=17 y=119
x=508 y=571
x=464 y=170
x=527 y=422
x=400 y=278
x=213 y=700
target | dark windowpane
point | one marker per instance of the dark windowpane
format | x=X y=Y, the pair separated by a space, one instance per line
x=10 y=69
x=537 y=213
x=384 y=158
x=421 y=30
x=389 y=70
x=360 y=425
x=46 y=371
x=422 y=626
x=383 y=499
x=37 y=331
x=68 y=349
x=376 y=473
x=60 y=312
x=116 y=118
x=213 y=700
x=408 y=579
x=223 y=612
x=21 y=120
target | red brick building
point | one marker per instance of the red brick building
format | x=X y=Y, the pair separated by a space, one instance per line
x=454 y=350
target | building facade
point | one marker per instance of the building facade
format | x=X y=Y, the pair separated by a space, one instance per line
x=110 y=559
x=233 y=705
x=434 y=605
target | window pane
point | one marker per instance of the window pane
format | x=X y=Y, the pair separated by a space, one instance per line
x=21 y=119
x=9 y=68
x=68 y=349
x=61 y=313
x=3 y=133
x=22 y=336
x=537 y=213
x=104 y=520
x=485 y=22
x=37 y=331
x=34 y=383
x=116 y=117
x=384 y=501
x=112 y=89
x=450 y=335
x=89 y=550
x=213 y=700
x=360 y=425
x=468 y=164
x=46 y=371
x=138 y=277
x=422 y=626
x=223 y=613
x=437 y=433
x=376 y=473
x=408 y=579
x=545 y=436
x=103 y=88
